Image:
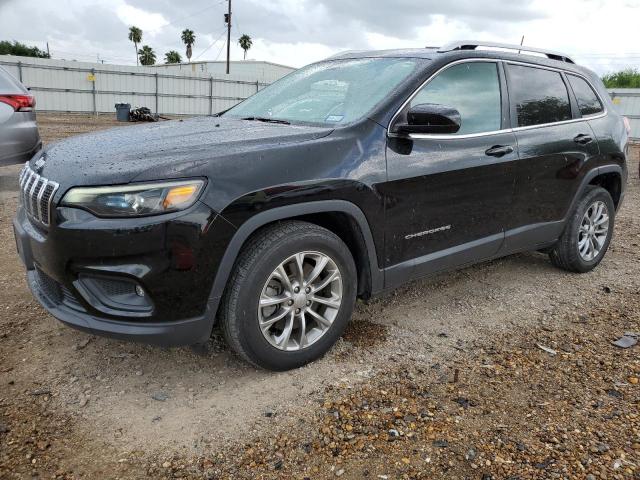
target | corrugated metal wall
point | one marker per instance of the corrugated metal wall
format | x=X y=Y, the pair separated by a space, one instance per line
x=253 y=70
x=64 y=86
x=627 y=102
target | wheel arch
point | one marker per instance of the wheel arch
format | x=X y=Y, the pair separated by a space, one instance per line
x=609 y=178
x=595 y=177
x=341 y=217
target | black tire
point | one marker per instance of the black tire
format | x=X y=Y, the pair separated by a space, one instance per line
x=564 y=253
x=260 y=256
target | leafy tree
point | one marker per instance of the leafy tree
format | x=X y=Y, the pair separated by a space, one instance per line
x=172 y=57
x=146 y=55
x=135 y=36
x=245 y=43
x=17 y=48
x=629 y=78
x=188 y=38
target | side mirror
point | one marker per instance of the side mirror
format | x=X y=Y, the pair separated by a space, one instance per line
x=431 y=118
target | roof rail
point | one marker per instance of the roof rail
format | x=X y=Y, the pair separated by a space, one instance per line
x=474 y=45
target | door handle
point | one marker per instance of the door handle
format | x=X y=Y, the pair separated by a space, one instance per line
x=499 y=150
x=583 y=139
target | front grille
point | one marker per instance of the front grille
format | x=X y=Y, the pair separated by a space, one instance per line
x=56 y=292
x=114 y=288
x=70 y=300
x=36 y=193
x=49 y=287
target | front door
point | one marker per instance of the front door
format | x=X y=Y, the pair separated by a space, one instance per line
x=447 y=195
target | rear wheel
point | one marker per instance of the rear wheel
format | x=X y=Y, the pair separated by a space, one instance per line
x=588 y=233
x=290 y=296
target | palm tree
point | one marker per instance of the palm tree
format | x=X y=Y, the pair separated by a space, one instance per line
x=172 y=57
x=245 y=43
x=135 y=35
x=188 y=38
x=147 y=55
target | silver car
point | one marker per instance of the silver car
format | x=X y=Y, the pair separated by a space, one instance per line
x=19 y=137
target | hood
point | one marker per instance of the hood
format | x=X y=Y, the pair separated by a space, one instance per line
x=163 y=150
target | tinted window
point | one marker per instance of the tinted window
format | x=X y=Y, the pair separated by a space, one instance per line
x=588 y=101
x=540 y=96
x=473 y=89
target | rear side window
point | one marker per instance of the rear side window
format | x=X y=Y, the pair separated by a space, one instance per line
x=588 y=101
x=473 y=89
x=540 y=96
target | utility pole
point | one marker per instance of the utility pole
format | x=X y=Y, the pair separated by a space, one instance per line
x=48 y=53
x=228 y=37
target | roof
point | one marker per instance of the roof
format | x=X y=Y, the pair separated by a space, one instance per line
x=427 y=53
x=471 y=49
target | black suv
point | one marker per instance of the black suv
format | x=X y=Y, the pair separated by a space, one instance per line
x=344 y=179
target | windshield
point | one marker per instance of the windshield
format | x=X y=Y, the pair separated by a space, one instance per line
x=329 y=93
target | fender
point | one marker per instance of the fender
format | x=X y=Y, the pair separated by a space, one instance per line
x=590 y=175
x=283 y=213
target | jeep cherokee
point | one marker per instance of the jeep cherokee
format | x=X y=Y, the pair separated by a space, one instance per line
x=344 y=179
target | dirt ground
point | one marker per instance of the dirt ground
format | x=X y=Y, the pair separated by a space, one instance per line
x=504 y=370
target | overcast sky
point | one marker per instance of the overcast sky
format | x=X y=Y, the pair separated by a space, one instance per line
x=602 y=35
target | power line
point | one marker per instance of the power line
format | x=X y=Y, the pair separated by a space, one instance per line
x=601 y=54
x=211 y=44
x=189 y=16
x=220 y=51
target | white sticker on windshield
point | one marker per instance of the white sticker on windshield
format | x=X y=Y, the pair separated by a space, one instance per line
x=334 y=118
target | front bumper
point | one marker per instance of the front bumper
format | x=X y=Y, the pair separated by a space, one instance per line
x=184 y=332
x=173 y=258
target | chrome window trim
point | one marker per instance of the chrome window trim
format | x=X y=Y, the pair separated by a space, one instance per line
x=431 y=136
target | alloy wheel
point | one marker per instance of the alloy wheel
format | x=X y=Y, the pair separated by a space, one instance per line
x=593 y=231
x=300 y=300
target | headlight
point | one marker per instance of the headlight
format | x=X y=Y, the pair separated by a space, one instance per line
x=134 y=200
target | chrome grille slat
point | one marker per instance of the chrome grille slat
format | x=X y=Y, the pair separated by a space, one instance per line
x=34 y=184
x=41 y=190
x=36 y=193
x=27 y=192
x=25 y=182
x=23 y=172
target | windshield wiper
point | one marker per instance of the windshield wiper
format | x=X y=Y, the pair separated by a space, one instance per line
x=267 y=120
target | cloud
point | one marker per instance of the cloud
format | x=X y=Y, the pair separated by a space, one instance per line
x=147 y=21
x=297 y=32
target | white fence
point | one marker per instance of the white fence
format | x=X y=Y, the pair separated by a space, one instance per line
x=66 y=86
x=627 y=103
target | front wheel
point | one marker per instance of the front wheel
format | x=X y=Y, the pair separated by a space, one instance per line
x=290 y=296
x=588 y=233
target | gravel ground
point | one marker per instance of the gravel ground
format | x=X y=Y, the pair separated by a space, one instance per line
x=504 y=370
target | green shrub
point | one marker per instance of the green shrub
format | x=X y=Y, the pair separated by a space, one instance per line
x=17 y=48
x=629 y=78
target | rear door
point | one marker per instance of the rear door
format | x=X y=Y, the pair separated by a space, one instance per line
x=447 y=195
x=554 y=144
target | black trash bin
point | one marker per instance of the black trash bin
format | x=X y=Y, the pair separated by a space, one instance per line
x=122 y=111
